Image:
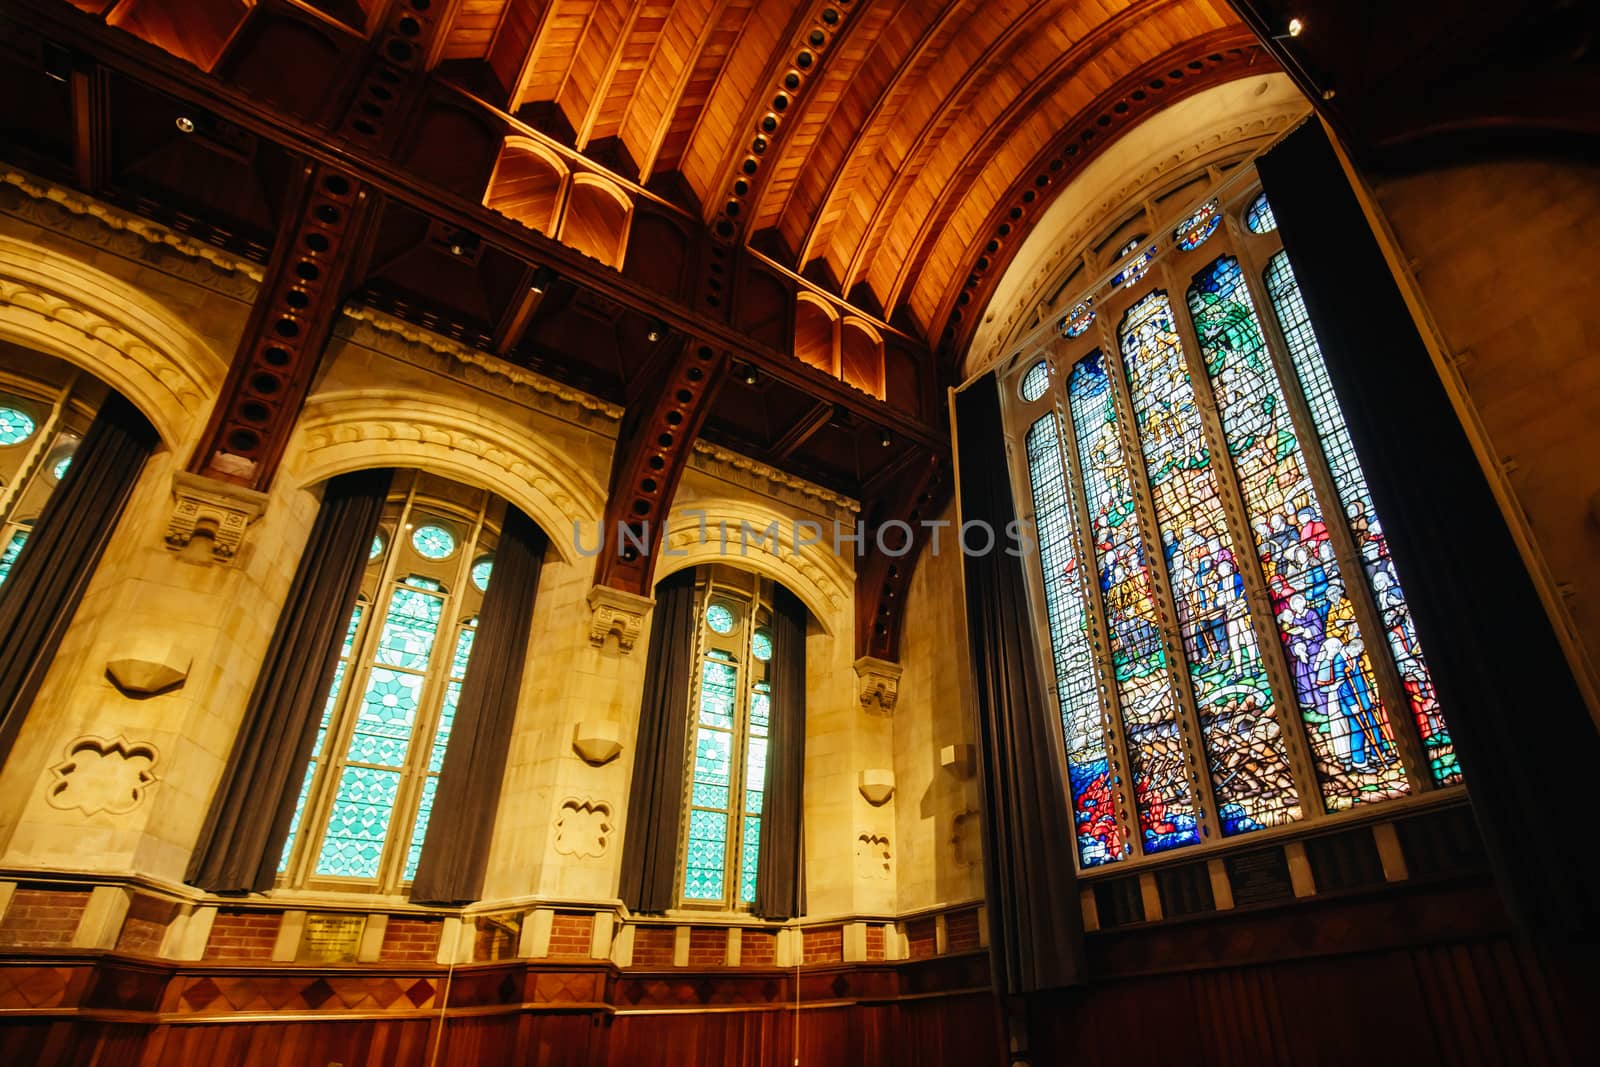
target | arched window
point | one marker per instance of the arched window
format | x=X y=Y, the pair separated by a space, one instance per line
x=1231 y=644
x=368 y=790
x=45 y=408
x=729 y=723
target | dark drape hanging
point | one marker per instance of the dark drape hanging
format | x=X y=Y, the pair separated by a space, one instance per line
x=455 y=853
x=655 y=797
x=780 y=871
x=50 y=574
x=244 y=832
x=1527 y=745
x=1035 y=925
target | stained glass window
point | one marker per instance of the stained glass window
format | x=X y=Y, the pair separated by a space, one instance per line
x=15 y=426
x=1078 y=320
x=1036 y=381
x=59 y=471
x=730 y=717
x=368 y=790
x=433 y=542
x=1195 y=230
x=480 y=572
x=1259 y=216
x=1361 y=518
x=13 y=549
x=1231 y=643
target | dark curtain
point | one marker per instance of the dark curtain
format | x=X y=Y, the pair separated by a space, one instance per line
x=50 y=574
x=244 y=832
x=1035 y=922
x=455 y=853
x=780 y=871
x=655 y=797
x=1527 y=746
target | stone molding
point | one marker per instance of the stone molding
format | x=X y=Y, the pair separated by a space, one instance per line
x=878 y=684
x=617 y=612
x=204 y=505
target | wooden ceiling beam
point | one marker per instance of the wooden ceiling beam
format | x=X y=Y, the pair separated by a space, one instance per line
x=895 y=540
x=91 y=121
x=803 y=429
x=647 y=160
x=597 y=98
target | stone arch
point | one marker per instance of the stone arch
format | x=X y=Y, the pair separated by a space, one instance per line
x=62 y=307
x=350 y=430
x=822 y=580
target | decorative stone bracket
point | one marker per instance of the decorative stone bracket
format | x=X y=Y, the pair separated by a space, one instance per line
x=878 y=683
x=145 y=667
x=877 y=786
x=617 y=612
x=597 y=742
x=204 y=505
x=959 y=760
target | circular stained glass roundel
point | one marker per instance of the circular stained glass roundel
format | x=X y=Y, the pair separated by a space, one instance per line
x=1035 y=381
x=378 y=545
x=15 y=426
x=1259 y=218
x=761 y=645
x=433 y=542
x=480 y=572
x=59 y=471
x=1195 y=230
x=721 y=619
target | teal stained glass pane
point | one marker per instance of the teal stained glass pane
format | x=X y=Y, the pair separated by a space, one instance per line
x=721 y=619
x=480 y=572
x=419 y=832
x=719 y=687
x=13 y=550
x=15 y=426
x=417 y=581
x=409 y=629
x=388 y=713
x=59 y=471
x=353 y=844
x=761 y=645
x=755 y=774
x=441 y=736
x=706 y=857
x=1259 y=218
x=713 y=765
x=433 y=542
x=750 y=859
x=377 y=547
x=458 y=663
x=339 y=671
x=760 y=709
x=1036 y=381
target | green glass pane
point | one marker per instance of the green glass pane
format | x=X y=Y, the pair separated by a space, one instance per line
x=720 y=618
x=419 y=833
x=388 y=713
x=378 y=545
x=755 y=774
x=706 y=856
x=713 y=759
x=433 y=542
x=409 y=629
x=59 y=471
x=15 y=426
x=481 y=571
x=1259 y=218
x=760 y=708
x=719 y=688
x=13 y=550
x=458 y=663
x=761 y=645
x=353 y=845
x=750 y=859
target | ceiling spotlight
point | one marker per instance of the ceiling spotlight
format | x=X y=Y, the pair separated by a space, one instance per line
x=656 y=331
x=543 y=278
x=884 y=439
x=462 y=242
x=184 y=123
x=1296 y=27
x=749 y=374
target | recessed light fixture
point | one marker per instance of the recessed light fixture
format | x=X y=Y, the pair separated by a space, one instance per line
x=884 y=440
x=1296 y=27
x=184 y=123
x=750 y=374
x=656 y=331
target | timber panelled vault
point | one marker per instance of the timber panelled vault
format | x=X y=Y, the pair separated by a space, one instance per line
x=488 y=495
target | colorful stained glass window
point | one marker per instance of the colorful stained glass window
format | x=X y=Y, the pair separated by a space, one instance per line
x=1350 y=482
x=1259 y=216
x=441 y=738
x=15 y=426
x=755 y=787
x=13 y=549
x=480 y=572
x=59 y=471
x=1078 y=320
x=376 y=548
x=1237 y=709
x=761 y=645
x=1100 y=835
x=1334 y=680
x=1195 y=230
x=1036 y=381
x=1134 y=272
x=711 y=784
x=721 y=619
x=346 y=650
x=1167 y=809
x=433 y=542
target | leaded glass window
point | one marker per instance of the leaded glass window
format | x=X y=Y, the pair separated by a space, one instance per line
x=368 y=789
x=1036 y=381
x=729 y=715
x=45 y=408
x=1077 y=322
x=1230 y=641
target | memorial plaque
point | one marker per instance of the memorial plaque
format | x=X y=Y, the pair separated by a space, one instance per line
x=331 y=938
x=1260 y=877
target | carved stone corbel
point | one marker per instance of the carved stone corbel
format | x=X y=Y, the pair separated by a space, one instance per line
x=221 y=510
x=877 y=683
x=617 y=612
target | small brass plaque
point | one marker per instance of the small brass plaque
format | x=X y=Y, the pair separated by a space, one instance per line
x=331 y=938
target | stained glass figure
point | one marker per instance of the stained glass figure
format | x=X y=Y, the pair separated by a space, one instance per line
x=480 y=572
x=1036 y=381
x=433 y=542
x=1350 y=482
x=1100 y=836
x=1237 y=709
x=1259 y=216
x=1078 y=320
x=1195 y=230
x=59 y=471
x=761 y=645
x=721 y=619
x=15 y=426
x=1134 y=272
x=1335 y=683
x=1155 y=745
x=13 y=549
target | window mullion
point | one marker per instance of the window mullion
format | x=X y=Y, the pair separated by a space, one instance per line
x=1100 y=637
x=1269 y=642
x=44 y=436
x=1391 y=689
x=1207 y=816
